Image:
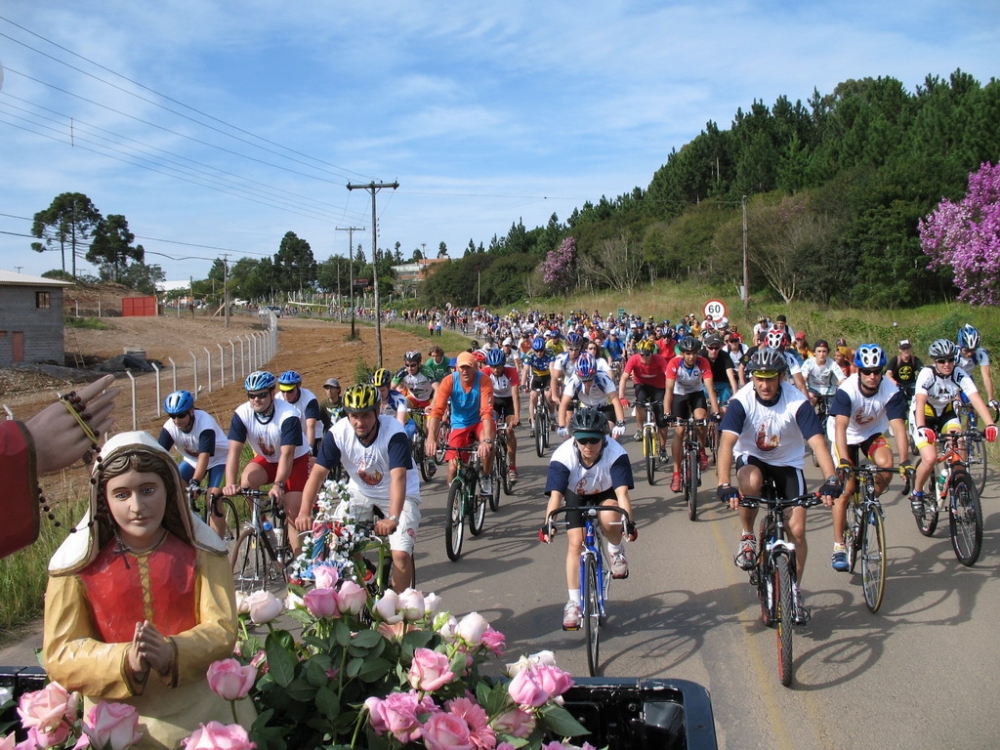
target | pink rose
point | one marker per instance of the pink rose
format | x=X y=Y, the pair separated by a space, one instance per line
x=553 y=680
x=526 y=689
x=516 y=722
x=429 y=670
x=352 y=598
x=397 y=714
x=242 y=606
x=495 y=641
x=387 y=608
x=8 y=743
x=46 y=708
x=264 y=606
x=322 y=603
x=432 y=605
x=43 y=740
x=505 y=746
x=471 y=628
x=445 y=731
x=113 y=724
x=411 y=605
x=230 y=680
x=480 y=732
x=216 y=736
x=326 y=576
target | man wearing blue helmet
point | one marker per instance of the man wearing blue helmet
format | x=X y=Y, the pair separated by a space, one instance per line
x=971 y=354
x=202 y=445
x=306 y=403
x=275 y=431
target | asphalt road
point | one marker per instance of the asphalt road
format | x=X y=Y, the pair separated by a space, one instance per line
x=920 y=673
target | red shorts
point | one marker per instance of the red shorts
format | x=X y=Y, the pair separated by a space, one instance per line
x=462 y=437
x=296 y=481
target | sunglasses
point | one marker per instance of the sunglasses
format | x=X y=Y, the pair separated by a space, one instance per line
x=944 y=361
x=178 y=417
x=870 y=370
x=766 y=374
x=589 y=441
x=257 y=395
x=713 y=348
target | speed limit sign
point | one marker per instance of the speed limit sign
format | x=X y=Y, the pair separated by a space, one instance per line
x=715 y=309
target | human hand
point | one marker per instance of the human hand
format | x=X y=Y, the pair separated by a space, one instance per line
x=562 y=432
x=906 y=469
x=727 y=493
x=152 y=647
x=631 y=531
x=546 y=532
x=990 y=433
x=927 y=434
x=618 y=430
x=59 y=440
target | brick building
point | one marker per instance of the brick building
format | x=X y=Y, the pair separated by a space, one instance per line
x=31 y=319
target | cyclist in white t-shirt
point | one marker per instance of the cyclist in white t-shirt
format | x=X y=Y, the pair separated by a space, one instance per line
x=374 y=450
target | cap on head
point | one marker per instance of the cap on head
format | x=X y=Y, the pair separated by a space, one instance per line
x=905 y=344
x=332 y=383
x=465 y=359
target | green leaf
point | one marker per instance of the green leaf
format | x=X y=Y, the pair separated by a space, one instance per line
x=342 y=632
x=316 y=668
x=354 y=667
x=367 y=639
x=301 y=690
x=561 y=722
x=280 y=660
x=374 y=669
x=327 y=702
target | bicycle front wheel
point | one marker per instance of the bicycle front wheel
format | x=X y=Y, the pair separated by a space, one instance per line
x=691 y=485
x=499 y=474
x=477 y=503
x=965 y=519
x=454 y=529
x=783 y=590
x=248 y=562
x=927 y=523
x=592 y=614
x=540 y=428
x=978 y=464
x=873 y=560
x=649 y=451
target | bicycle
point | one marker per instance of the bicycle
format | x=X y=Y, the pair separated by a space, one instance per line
x=864 y=535
x=220 y=506
x=977 y=460
x=541 y=421
x=775 y=573
x=651 y=440
x=500 y=472
x=427 y=469
x=262 y=546
x=955 y=492
x=464 y=501
x=594 y=595
x=690 y=467
x=822 y=410
x=444 y=429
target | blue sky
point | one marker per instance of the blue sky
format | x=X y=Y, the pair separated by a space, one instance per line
x=486 y=113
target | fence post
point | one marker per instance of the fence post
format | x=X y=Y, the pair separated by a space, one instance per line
x=10 y=414
x=232 y=358
x=243 y=359
x=135 y=416
x=173 y=366
x=195 y=360
x=209 y=368
x=222 y=366
x=158 y=399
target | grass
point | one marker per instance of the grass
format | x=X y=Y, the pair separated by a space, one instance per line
x=93 y=323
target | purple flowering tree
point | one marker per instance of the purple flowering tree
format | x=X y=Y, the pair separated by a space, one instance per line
x=559 y=267
x=966 y=236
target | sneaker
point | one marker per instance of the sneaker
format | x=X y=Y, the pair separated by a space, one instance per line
x=531 y=432
x=512 y=475
x=663 y=455
x=801 y=613
x=637 y=437
x=702 y=459
x=552 y=424
x=917 y=504
x=485 y=485
x=619 y=565
x=746 y=557
x=839 y=560
x=431 y=468
x=571 y=616
x=675 y=482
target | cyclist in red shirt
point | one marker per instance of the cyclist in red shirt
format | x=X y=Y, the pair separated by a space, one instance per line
x=648 y=371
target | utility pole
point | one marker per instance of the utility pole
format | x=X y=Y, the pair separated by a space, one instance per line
x=746 y=264
x=374 y=187
x=350 y=260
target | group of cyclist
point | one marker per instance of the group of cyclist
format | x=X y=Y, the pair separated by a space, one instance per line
x=770 y=400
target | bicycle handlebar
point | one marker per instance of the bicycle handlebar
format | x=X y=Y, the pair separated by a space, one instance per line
x=590 y=511
x=779 y=503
